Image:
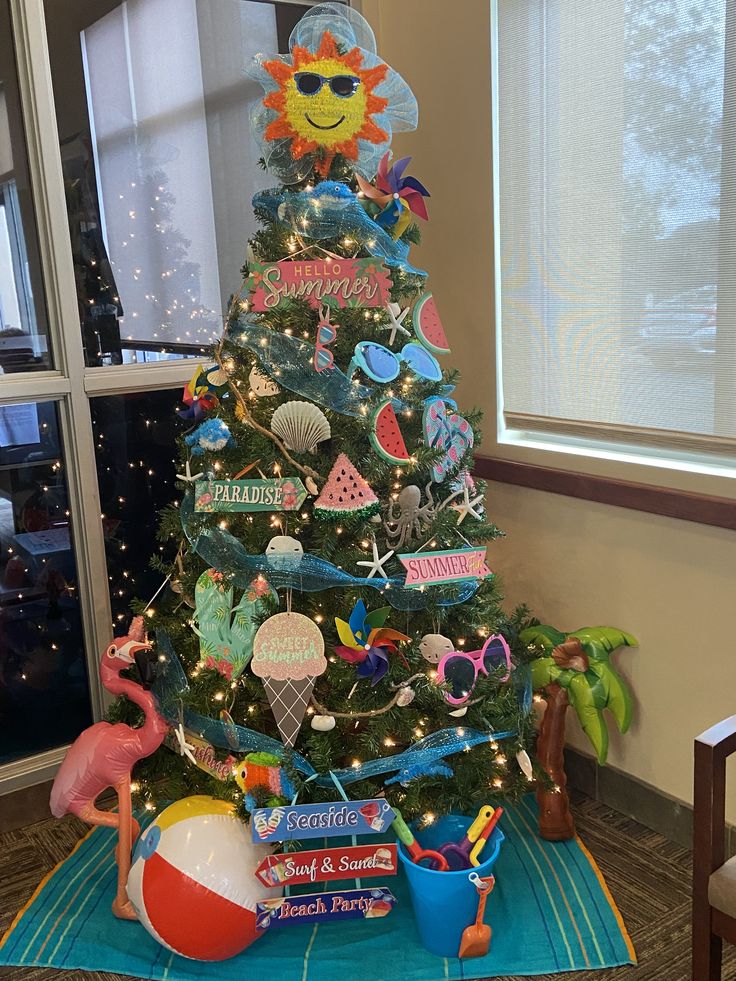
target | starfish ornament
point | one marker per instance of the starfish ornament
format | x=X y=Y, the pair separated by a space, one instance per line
x=467 y=506
x=376 y=565
x=188 y=477
x=396 y=315
x=185 y=748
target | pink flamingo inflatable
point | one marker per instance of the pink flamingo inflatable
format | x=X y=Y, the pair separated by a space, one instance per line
x=103 y=756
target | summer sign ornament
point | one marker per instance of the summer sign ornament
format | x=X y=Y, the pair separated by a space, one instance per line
x=336 y=282
x=450 y=565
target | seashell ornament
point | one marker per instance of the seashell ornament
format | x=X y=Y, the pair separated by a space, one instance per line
x=301 y=426
x=525 y=764
x=323 y=723
x=406 y=696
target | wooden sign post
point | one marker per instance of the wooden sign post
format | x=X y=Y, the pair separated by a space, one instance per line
x=351 y=817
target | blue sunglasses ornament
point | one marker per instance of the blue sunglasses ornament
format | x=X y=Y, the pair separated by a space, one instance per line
x=381 y=364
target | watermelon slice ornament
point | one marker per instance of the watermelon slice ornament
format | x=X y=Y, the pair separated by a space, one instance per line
x=347 y=494
x=386 y=436
x=428 y=326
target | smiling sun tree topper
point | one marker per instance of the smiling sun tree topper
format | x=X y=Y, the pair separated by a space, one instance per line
x=333 y=95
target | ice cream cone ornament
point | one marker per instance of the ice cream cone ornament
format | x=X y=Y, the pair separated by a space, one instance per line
x=288 y=655
x=332 y=94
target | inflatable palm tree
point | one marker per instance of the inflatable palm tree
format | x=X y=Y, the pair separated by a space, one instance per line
x=575 y=669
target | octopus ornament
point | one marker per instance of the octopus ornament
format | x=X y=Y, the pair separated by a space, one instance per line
x=413 y=518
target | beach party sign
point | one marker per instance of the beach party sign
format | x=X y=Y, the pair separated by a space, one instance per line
x=352 y=904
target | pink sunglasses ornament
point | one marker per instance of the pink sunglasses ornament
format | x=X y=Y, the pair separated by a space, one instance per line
x=459 y=670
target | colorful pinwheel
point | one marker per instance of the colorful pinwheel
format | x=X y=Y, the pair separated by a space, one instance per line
x=398 y=197
x=366 y=642
x=201 y=393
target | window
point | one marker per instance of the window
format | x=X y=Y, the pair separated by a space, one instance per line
x=23 y=330
x=151 y=108
x=159 y=176
x=135 y=450
x=616 y=189
x=44 y=696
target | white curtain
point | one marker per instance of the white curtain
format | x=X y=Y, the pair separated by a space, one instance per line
x=175 y=164
x=617 y=217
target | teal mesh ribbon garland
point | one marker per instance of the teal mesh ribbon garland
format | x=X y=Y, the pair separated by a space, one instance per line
x=427 y=757
x=225 y=553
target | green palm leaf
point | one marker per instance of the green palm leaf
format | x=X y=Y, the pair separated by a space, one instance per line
x=542 y=636
x=601 y=642
x=587 y=697
x=544 y=671
x=618 y=695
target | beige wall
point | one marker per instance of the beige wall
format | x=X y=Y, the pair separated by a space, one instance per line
x=670 y=583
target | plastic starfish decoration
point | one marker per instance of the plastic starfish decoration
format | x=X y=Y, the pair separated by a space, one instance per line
x=188 y=477
x=376 y=564
x=396 y=316
x=467 y=506
x=185 y=748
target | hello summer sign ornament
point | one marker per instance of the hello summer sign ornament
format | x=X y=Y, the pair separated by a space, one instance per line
x=334 y=281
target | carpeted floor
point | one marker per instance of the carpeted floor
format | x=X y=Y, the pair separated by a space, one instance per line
x=648 y=876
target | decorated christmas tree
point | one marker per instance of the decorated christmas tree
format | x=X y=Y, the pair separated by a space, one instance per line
x=333 y=627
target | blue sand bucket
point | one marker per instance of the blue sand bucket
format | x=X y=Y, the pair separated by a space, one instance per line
x=446 y=902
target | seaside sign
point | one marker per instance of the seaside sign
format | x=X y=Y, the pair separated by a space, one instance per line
x=344 y=817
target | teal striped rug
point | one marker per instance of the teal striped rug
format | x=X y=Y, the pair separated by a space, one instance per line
x=550 y=912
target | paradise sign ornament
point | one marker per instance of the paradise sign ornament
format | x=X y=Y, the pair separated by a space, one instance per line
x=278 y=494
x=331 y=281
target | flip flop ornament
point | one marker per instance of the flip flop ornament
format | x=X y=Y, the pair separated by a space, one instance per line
x=446 y=430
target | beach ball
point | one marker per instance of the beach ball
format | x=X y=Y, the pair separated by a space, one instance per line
x=192 y=880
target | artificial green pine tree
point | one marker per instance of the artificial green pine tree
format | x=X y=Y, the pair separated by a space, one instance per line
x=372 y=500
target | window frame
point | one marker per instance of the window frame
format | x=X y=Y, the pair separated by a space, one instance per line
x=554 y=461
x=70 y=383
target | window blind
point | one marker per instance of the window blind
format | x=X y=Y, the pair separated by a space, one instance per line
x=616 y=211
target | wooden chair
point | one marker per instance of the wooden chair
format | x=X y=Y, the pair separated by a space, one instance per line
x=714 y=879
